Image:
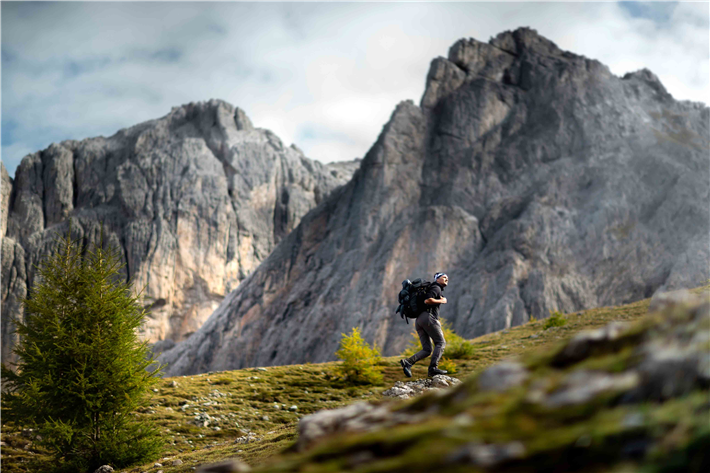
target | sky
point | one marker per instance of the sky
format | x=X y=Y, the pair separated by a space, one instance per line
x=325 y=76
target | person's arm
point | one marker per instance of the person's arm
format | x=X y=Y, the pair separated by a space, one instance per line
x=432 y=301
x=435 y=297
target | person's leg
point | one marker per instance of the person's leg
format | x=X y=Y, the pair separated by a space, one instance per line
x=433 y=330
x=423 y=339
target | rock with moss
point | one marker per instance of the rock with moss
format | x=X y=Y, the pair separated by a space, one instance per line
x=233 y=465
x=502 y=376
x=637 y=401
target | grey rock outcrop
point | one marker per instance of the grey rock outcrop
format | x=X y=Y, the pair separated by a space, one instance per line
x=405 y=390
x=536 y=178
x=358 y=417
x=233 y=465
x=502 y=376
x=13 y=270
x=195 y=200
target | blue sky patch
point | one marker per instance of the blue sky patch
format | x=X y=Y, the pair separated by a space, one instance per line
x=659 y=12
x=9 y=127
x=169 y=55
x=72 y=69
x=7 y=56
x=315 y=132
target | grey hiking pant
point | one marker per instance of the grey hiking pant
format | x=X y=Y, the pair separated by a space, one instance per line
x=429 y=328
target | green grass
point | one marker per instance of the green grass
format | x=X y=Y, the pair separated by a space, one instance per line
x=239 y=401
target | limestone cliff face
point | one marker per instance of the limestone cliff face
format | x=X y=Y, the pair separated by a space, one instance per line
x=195 y=200
x=536 y=178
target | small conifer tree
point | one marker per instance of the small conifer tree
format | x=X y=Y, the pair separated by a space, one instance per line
x=82 y=372
x=359 y=359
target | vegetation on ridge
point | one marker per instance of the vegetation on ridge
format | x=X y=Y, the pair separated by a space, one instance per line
x=257 y=400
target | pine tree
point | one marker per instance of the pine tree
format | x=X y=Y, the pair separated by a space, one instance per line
x=82 y=373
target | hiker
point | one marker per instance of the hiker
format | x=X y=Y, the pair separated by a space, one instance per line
x=428 y=327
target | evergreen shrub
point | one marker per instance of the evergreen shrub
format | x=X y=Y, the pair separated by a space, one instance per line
x=360 y=361
x=81 y=371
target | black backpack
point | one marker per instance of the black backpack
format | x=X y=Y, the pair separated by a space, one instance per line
x=411 y=298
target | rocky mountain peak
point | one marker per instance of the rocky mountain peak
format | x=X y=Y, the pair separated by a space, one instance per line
x=525 y=40
x=534 y=177
x=651 y=80
x=196 y=200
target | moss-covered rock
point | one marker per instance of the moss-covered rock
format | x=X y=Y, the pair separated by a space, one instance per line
x=626 y=396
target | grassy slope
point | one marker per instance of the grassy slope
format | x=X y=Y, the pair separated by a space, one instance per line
x=240 y=399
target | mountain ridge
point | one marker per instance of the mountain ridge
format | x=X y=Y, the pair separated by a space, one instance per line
x=195 y=200
x=537 y=179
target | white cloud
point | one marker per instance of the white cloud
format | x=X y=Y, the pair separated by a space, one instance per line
x=73 y=70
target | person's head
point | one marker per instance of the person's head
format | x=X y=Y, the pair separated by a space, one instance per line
x=442 y=279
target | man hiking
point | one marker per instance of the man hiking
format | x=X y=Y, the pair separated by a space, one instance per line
x=428 y=327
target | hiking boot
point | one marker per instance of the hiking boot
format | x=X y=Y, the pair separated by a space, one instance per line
x=434 y=371
x=406 y=367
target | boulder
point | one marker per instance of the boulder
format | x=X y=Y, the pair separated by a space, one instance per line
x=405 y=390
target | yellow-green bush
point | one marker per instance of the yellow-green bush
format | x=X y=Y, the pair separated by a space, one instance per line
x=457 y=347
x=360 y=361
x=447 y=365
x=556 y=319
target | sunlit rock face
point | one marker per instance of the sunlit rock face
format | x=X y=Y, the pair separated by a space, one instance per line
x=195 y=201
x=534 y=177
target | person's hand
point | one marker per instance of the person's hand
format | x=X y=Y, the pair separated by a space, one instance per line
x=443 y=300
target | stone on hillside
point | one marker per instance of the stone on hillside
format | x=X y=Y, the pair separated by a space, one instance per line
x=679 y=361
x=502 y=376
x=487 y=455
x=233 y=465
x=356 y=417
x=202 y=419
x=104 y=469
x=582 y=386
x=249 y=438
x=405 y=390
x=662 y=300
x=584 y=343
x=363 y=416
x=177 y=462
